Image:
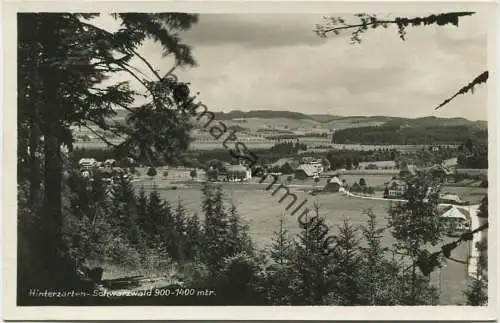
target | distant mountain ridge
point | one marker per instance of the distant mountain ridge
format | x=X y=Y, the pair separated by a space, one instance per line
x=430 y=121
x=325 y=118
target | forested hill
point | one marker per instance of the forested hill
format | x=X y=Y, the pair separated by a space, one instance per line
x=436 y=122
x=395 y=134
x=321 y=118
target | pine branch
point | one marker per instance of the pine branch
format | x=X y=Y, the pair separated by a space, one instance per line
x=106 y=141
x=337 y=24
x=129 y=109
x=447 y=248
x=119 y=132
x=127 y=69
x=482 y=78
x=147 y=64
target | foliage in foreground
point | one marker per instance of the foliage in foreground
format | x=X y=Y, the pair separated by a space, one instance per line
x=137 y=230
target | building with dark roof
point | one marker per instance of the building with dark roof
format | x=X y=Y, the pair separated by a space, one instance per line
x=395 y=189
x=408 y=171
x=333 y=185
x=305 y=171
x=439 y=173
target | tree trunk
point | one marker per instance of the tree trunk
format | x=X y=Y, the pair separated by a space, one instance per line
x=34 y=162
x=53 y=185
x=34 y=123
x=52 y=215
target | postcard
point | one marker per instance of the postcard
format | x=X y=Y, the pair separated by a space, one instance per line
x=250 y=160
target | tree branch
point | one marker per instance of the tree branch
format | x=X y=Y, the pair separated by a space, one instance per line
x=147 y=63
x=106 y=141
x=372 y=21
x=482 y=78
x=109 y=128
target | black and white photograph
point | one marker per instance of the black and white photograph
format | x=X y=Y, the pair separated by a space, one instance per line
x=330 y=158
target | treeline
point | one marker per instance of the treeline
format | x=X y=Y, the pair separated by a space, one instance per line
x=397 y=135
x=473 y=155
x=296 y=136
x=287 y=148
x=350 y=159
x=433 y=121
x=336 y=158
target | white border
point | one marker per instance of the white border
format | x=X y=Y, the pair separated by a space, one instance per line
x=12 y=312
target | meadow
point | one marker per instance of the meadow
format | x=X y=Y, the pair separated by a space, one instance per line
x=262 y=211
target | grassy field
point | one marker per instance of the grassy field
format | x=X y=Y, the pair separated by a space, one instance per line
x=262 y=211
x=472 y=193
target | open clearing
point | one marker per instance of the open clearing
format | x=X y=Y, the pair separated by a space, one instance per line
x=262 y=211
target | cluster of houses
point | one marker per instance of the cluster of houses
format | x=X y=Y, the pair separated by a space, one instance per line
x=397 y=186
x=453 y=211
x=108 y=169
x=307 y=168
x=229 y=173
x=90 y=163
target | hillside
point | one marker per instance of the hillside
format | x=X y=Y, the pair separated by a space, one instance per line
x=370 y=129
x=436 y=122
x=263 y=114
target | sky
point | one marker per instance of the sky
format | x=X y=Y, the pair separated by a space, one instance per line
x=276 y=62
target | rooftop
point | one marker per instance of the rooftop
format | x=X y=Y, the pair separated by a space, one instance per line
x=235 y=168
x=455 y=212
x=335 y=179
x=310 y=170
x=451 y=197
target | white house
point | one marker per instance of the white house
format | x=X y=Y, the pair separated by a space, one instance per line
x=238 y=173
x=85 y=174
x=395 y=188
x=456 y=219
x=87 y=162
